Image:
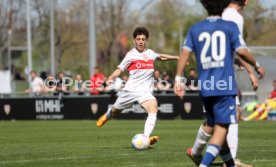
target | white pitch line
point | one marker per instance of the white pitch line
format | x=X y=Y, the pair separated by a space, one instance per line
x=52 y=159
x=260 y=150
x=264 y=160
x=45 y=159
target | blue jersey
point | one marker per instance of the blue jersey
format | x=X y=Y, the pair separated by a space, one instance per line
x=214 y=41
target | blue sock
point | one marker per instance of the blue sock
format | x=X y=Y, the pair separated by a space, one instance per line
x=227 y=157
x=211 y=153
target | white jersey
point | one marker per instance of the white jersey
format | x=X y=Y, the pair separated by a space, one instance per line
x=231 y=14
x=141 y=68
x=36 y=85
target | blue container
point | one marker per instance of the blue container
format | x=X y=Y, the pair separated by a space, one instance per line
x=272 y=116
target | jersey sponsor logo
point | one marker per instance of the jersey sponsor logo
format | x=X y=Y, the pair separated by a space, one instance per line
x=232 y=107
x=141 y=64
x=213 y=65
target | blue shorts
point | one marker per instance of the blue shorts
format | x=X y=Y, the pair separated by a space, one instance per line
x=220 y=109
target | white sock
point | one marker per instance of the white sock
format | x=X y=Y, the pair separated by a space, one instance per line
x=108 y=113
x=202 y=139
x=232 y=139
x=150 y=123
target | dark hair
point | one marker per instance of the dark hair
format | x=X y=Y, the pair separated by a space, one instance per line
x=215 y=7
x=239 y=2
x=140 y=31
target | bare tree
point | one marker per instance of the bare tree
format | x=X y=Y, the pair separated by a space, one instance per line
x=259 y=21
x=71 y=35
x=9 y=23
x=111 y=23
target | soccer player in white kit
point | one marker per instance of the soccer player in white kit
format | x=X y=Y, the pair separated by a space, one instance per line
x=37 y=85
x=231 y=13
x=140 y=63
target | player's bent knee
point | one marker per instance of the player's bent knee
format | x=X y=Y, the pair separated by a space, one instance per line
x=151 y=109
x=150 y=106
x=207 y=129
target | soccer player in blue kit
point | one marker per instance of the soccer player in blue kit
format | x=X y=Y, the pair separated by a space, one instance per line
x=213 y=41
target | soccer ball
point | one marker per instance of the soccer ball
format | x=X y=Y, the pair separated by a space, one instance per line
x=140 y=142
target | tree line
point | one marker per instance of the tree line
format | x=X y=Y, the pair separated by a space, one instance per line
x=167 y=20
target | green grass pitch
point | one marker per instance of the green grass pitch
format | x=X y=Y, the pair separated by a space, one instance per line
x=80 y=144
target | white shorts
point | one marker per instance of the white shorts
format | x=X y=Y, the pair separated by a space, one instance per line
x=126 y=99
x=238 y=101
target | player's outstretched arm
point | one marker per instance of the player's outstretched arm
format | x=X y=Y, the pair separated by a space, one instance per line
x=247 y=57
x=250 y=71
x=113 y=76
x=164 y=57
x=179 y=85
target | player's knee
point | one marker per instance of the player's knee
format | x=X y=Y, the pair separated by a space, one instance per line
x=152 y=109
x=207 y=129
x=150 y=106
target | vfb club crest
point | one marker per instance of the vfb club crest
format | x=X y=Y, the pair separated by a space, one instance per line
x=146 y=58
x=187 y=107
x=7 y=109
x=94 y=108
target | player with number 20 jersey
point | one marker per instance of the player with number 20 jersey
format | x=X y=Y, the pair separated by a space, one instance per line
x=212 y=49
x=214 y=40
